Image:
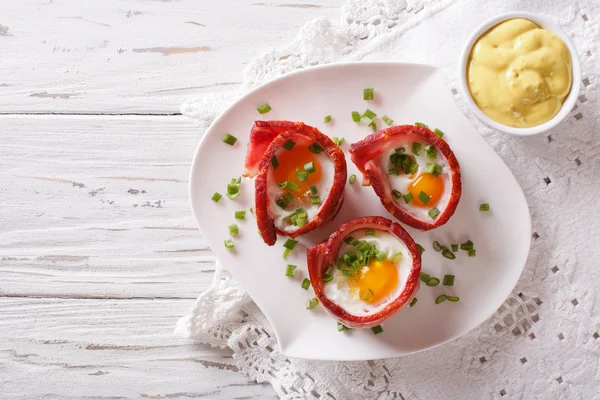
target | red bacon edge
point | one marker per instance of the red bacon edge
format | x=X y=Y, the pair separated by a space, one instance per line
x=362 y=153
x=269 y=137
x=321 y=256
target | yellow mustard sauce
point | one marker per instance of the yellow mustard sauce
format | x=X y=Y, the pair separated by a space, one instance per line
x=519 y=74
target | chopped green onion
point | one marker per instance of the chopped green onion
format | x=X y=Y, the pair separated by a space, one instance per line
x=416 y=148
x=429 y=168
x=453 y=298
x=441 y=298
x=368 y=94
x=341 y=327
x=337 y=141
x=430 y=150
x=437 y=246
x=368 y=295
x=484 y=207
x=408 y=197
x=327 y=119
x=387 y=120
x=373 y=126
x=289 y=185
x=281 y=203
x=437 y=170
x=305 y=284
x=396 y=257
x=251 y=210
x=216 y=197
x=240 y=215
x=313 y=189
x=438 y=132
x=472 y=253
x=348 y=239
x=290 y=270
x=286 y=253
x=381 y=256
x=233 y=230
x=316 y=200
x=229 y=244
x=448 y=280
x=370 y=232
x=312 y=303
x=315 y=148
x=396 y=194
x=352 y=179
x=289 y=145
x=310 y=167
x=288 y=197
x=448 y=254
x=432 y=282
x=393 y=171
x=355 y=116
x=290 y=244
x=434 y=212
x=422 y=125
x=413 y=302
x=369 y=114
x=466 y=246
x=301 y=175
x=421 y=248
x=454 y=247
x=229 y=139
x=300 y=222
x=274 y=162
x=377 y=329
x=265 y=108
x=414 y=167
x=400 y=150
x=233 y=190
x=424 y=277
x=423 y=197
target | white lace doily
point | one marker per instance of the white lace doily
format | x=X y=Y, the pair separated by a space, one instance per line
x=544 y=342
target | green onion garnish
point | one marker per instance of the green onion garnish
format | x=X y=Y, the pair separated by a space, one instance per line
x=441 y=298
x=453 y=298
x=233 y=189
x=472 y=253
x=316 y=200
x=484 y=207
x=229 y=244
x=289 y=185
x=327 y=119
x=400 y=150
x=305 y=284
x=396 y=194
x=422 y=125
x=424 y=277
x=416 y=148
x=433 y=282
x=396 y=257
x=369 y=114
x=368 y=94
x=240 y=215
x=288 y=197
x=437 y=170
x=373 y=126
x=341 y=327
x=352 y=179
x=229 y=139
x=429 y=168
x=348 y=239
x=290 y=244
x=408 y=197
x=434 y=212
x=387 y=120
x=274 y=162
x=301 y=175
x=423 y=197
x=216 y=197
x=368 y=295
x=281 y=203
x=421 y=248
x=430 y=150
x=393 y=171
x=438 y=132
x=413 y=302
x=466 y=246
x=448 y=280
x=313 y=189
x=377 y=329
x=448 y=254
x=290 y=270
x=437 y=246
x=414 y=167
x=355 y=116
x=310 y=167
x=381 y=256
x=315 y=148
x=289 y=145
x=337 y=141
x=312 y=303
x=454 y=247
x=370 y=232
x=265 y=108
x=233 y=230
x=286 y=253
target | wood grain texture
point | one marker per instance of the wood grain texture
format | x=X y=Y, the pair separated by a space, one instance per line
x=135 y=56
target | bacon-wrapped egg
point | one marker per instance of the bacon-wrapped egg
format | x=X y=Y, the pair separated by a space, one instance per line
x=300 y=176
x=366 y=271
x=413 y=171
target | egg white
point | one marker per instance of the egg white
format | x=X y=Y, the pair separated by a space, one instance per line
x=338 y=290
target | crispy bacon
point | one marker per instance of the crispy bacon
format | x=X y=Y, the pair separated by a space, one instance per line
x=365 y=155
x=326 y=254
x=263 y=135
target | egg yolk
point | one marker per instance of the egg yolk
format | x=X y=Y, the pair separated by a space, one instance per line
x=432 y=185
x=289 y=160
x=375 y=281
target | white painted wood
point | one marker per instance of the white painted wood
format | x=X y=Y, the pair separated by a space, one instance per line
x=135 y=56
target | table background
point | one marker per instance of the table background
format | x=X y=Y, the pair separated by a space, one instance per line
x=99 y=252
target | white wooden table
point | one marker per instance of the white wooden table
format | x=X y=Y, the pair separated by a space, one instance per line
x=99 y=253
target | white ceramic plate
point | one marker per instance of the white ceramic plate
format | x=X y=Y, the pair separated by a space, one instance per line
x=406 y=93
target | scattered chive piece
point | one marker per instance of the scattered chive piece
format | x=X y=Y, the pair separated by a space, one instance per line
x=348 y=239
x=289 y=185
x=274 y=162
x=290 y=270
x=413 y=302
x=316 y=200
x=327 y=119
x=429 y=168
x=368 y=94
x=387 y=120
x=393 y=171
x=369 y=114
x=472 y=253
x=377 y=329
x=370 y=232
x=352 y=179
x=396 y=194
x=408 y=197
x=484 y=207
x=315 y=148
x=265 y=108
x=288 y=197
x=453 y=298
x=422 y=125
x=381 y=256
x=416 y=148
x=240 y=215
x=290 y=244
x=216 y=197
x=437 y=246
x=396 y=257
x=301 y=175
x=400 y=150
x=229 y=139
x=281 y=203
x=305 y=284
x=310 y=167
x=431 y=151
x=448 y=254
x=441 y=298
x=454 y=247
x=286 y=253
x=341 y=327
x=289 y=145
x=312 y=303
x=423 y=197
x=466 y=246
x=437 y=170
x=251 y=210
x=355 y=116
x=438 y=132
x=229 y=244
x=421 y=248
x=424 y=277
x=313 y=189
x=337 y=141
x=233 y=230
x=233 y=190
x=448 y=280
x=434 y=212
x=373 y=126
x=433 y=282
x=414 y=167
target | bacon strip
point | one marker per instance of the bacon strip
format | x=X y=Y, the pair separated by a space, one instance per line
x=365 y=154
x=326 y=254
x=262 y=132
